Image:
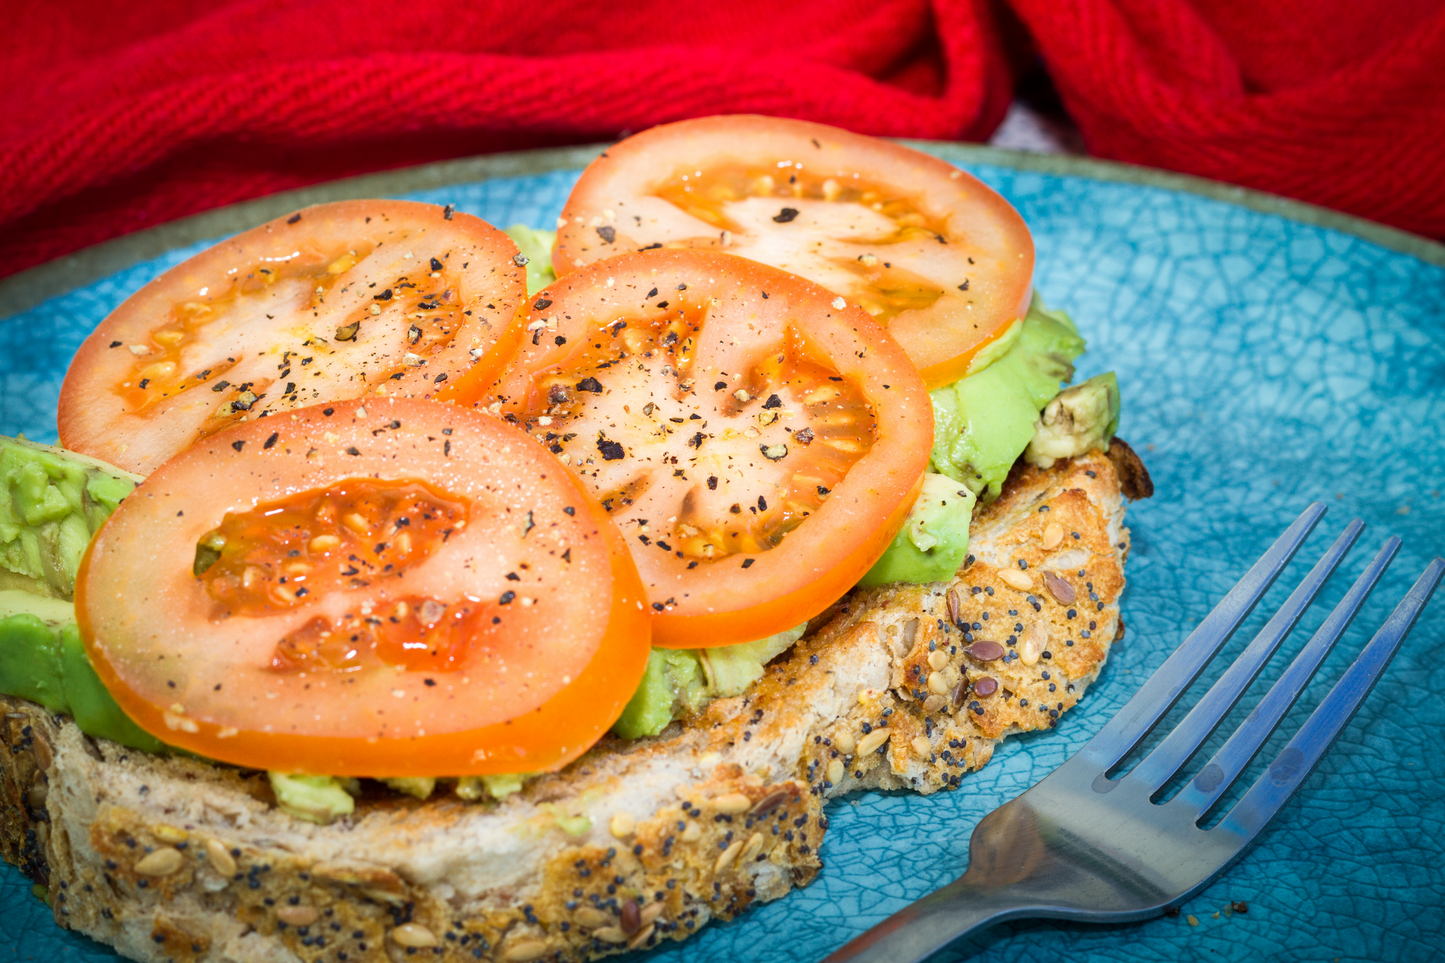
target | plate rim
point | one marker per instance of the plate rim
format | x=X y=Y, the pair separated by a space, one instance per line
x=29 y=288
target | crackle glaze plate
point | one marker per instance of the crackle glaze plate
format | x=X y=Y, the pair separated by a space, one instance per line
x=1269 y=355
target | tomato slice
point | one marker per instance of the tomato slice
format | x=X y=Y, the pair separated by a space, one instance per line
x=758 y=440
x=335 y=301
x=386 y=587
x=926 y=249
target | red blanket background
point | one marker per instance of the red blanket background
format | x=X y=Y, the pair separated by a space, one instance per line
x=120 y=116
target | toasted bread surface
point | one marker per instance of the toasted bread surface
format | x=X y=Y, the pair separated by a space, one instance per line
x=899 y=687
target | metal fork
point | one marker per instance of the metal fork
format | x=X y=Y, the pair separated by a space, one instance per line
x=1081 y=845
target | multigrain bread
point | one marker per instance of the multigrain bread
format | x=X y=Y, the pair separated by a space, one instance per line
x=901 y=687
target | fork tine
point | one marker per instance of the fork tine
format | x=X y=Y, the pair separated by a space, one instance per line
x=1215 y=778
x=1157 y=696
x=1296 y=760
x=1176 y=748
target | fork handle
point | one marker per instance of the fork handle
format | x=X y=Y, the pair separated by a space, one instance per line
x=923 y=928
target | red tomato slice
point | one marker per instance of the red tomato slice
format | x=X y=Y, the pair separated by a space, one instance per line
x=336 y=301
x=400 y=588
x=758 y=440
x=929 y=251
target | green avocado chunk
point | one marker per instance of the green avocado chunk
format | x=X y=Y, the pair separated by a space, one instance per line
x=933 y=542
x=983 y=422
x=51 y=502
x=316 y=799
x=681 y=681
x=42 y=659
x=671 y=684
x=536 y=247
x=1079 y=418
x=730 y=669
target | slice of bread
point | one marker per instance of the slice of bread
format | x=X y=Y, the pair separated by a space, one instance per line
x=171 y=858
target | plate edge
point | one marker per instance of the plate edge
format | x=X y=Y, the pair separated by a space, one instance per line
x=27 y=289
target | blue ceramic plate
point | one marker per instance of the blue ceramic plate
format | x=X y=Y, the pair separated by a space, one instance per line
x=1270 y=355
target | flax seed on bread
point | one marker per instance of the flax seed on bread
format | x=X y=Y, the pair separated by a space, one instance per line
x=171 y=858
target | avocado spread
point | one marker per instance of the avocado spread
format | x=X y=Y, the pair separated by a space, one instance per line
x=679 y=682
x=316 y=799
x=51 y=502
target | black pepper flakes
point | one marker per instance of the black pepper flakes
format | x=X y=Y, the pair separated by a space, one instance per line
x=611 y=450
x=608 y=233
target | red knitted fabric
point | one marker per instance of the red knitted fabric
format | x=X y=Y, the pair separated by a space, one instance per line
x=1336 y=102
x=120 y=116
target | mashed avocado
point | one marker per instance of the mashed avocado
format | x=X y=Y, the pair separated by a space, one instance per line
x=316 y=799
x=672 y=685
x=681 y=681
x=536 y=247
x=51 y=502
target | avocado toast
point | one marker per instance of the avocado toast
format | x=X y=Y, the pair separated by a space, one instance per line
x=173 y=858
x=715 y=798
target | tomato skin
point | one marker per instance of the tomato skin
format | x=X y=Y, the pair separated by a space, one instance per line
x=748 y=594
x=280 y=317
x=981 y=277
x=584 y=641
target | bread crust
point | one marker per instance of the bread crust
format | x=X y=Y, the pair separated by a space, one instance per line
x=172 y=858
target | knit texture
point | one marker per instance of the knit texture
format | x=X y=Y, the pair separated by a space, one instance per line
x=121 y=116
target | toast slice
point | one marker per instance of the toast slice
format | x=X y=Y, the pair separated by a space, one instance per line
x=900 y=687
